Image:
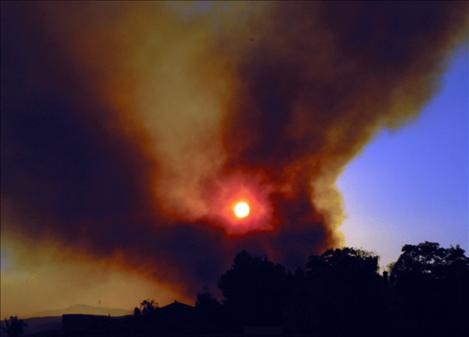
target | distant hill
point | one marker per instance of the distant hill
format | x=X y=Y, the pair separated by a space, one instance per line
x=51 y=320
x=82 y=309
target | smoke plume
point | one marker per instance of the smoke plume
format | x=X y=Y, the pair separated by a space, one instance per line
x=127 y=127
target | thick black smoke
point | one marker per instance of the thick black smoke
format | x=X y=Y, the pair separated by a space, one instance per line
x=310 y=83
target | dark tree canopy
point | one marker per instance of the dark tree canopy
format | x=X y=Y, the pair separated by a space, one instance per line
x=206 y=301
x=433 y=286
x=345 y=261
x=147 y=308
x=345 y=293
x=428 y=259
x=254 y=289
x=339 y=293
x=209 y=312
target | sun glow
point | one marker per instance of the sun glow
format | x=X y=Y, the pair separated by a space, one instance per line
x=241 y=209
x=240 y=204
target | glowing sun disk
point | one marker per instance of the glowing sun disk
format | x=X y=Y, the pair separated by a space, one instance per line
x=241 y=209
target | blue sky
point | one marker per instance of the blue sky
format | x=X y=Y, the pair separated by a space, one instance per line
x=410 y=185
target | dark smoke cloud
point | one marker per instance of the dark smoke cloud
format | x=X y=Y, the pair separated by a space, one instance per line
x=310 y=83
x=317 y=83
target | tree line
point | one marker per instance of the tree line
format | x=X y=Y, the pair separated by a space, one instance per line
x=341 y=293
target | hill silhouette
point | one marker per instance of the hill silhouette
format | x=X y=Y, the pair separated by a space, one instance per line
x=81 y=309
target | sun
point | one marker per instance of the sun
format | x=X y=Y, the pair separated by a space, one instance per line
x=241 y=209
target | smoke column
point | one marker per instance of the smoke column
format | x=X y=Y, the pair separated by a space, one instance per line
x=126 y=127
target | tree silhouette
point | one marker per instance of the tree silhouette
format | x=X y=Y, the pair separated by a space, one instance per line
x=137 y=312
x=433 y=286
x=345 y=261
x=206 y=302
x=338 y=294
x=254 y=290
x=146 y=310
x=148 y=307
x=345 y=294
x=209 y=312
x=429 y=260
x=14 y=327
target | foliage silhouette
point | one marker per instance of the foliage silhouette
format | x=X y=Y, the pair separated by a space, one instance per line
x=206 y=302
x=433 y=287
x=254 y=290
x=148 y=307
x=14 y=327
x=339 y=293
x=343 y=295
x=209 y=312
